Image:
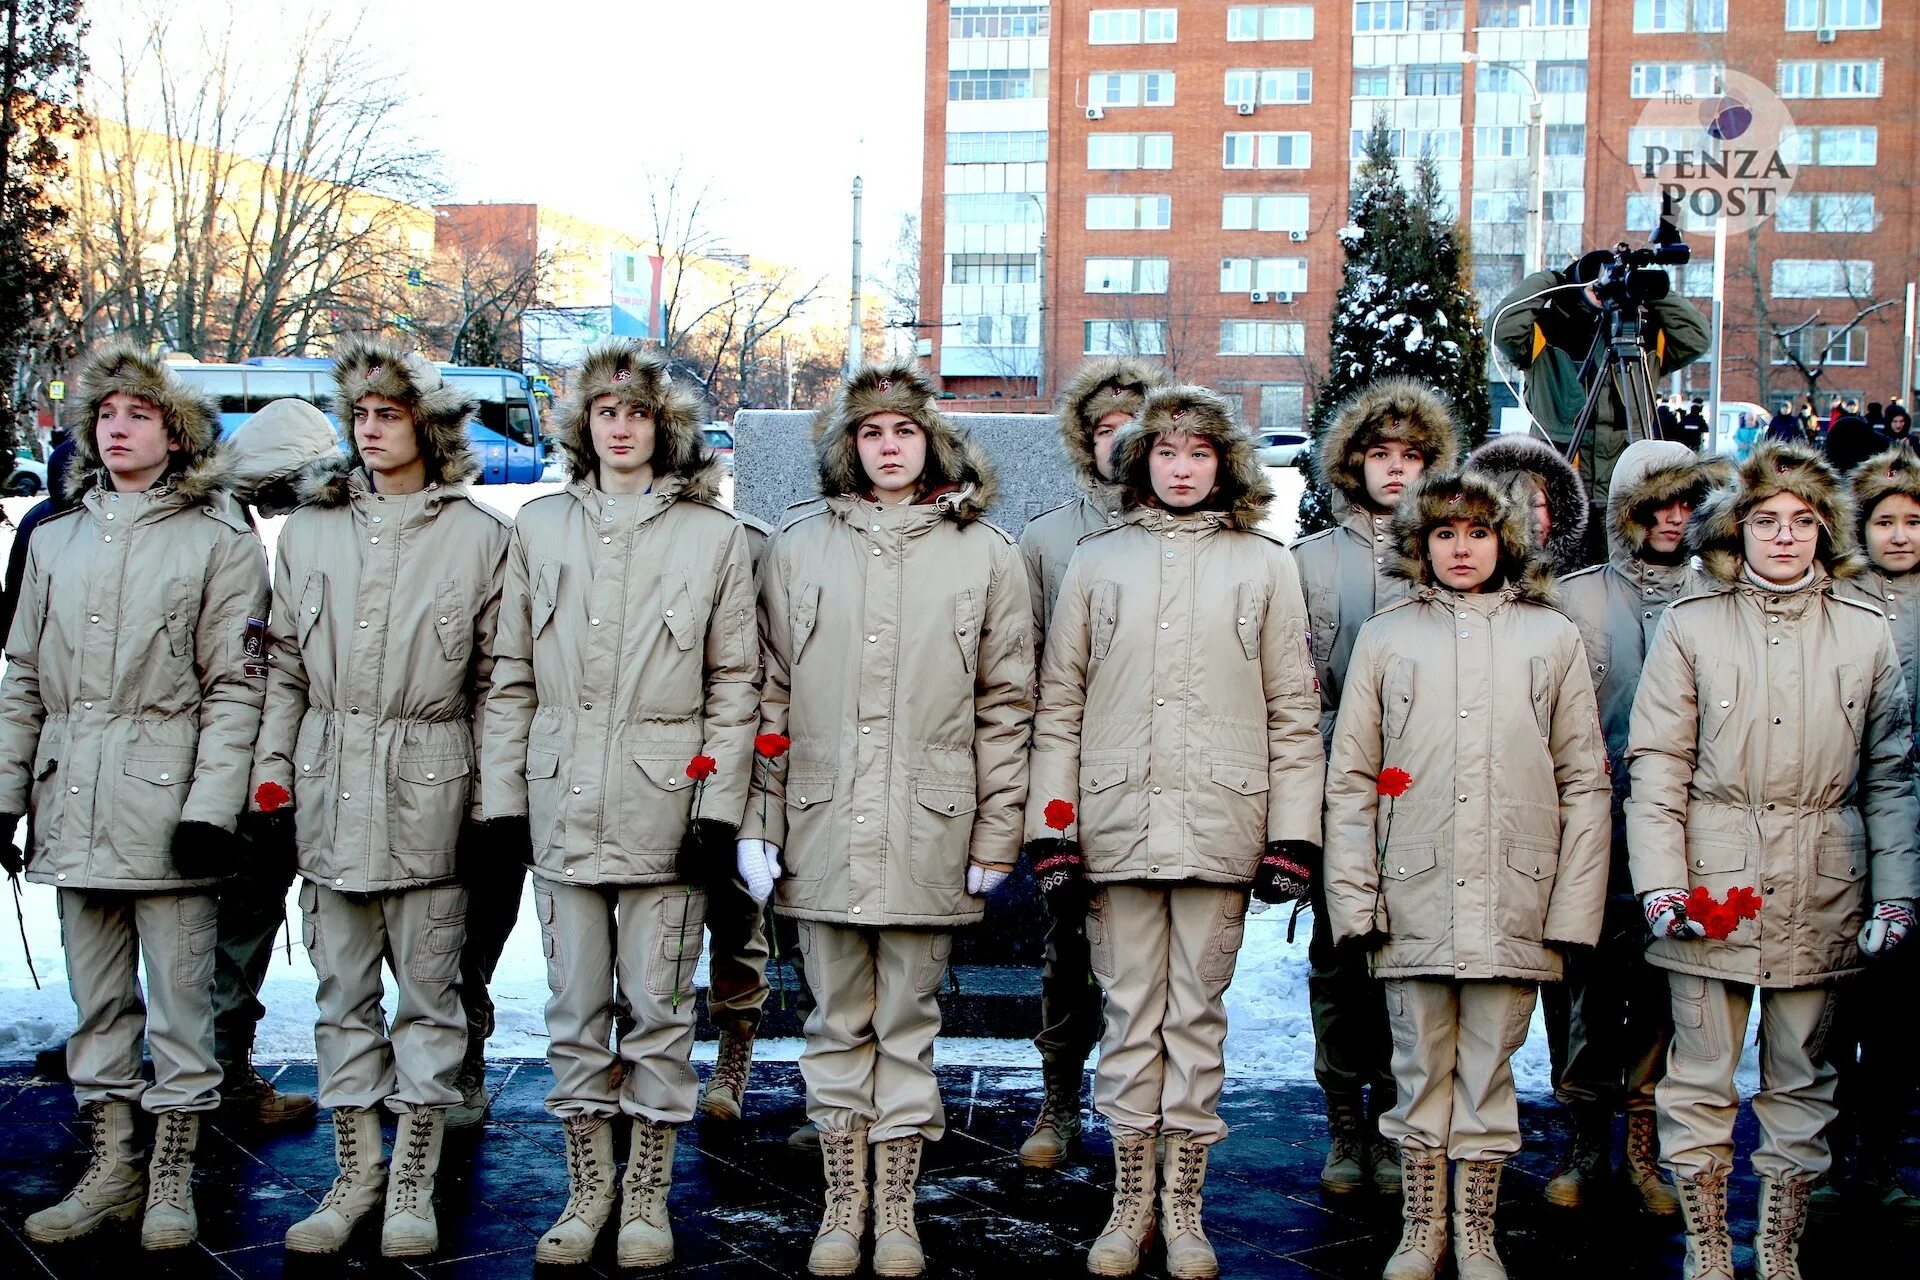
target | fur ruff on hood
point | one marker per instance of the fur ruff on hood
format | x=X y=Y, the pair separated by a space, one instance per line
x=1508 y=458
x=197 y=469
x=1775 y=467
x=1649 y=475
x=623 y=368
x=1391 y=409
x=368 y=366
x=1895 y=471
x=954 y=462
x=276 y=444
x=1244 y=493
x=1439 y=496
x=1109 y=384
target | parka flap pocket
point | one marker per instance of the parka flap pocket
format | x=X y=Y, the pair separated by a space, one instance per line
x=1095 y=778
x=1719 y=696
x=676 y=611
x=546 y=595
x=1103 y=616
x=313 y=596
x=667 y=774
x=1715 y=854
x=1842 y=857
x=1853 y=698
x=163 y=770
x=1242 y=776
x=1533 y=857
x=806 y=792
x=803 y=611
x=542 y=764
x=1396 y=697
x=183 y=606
x=1247 y=609
x=432 y=770
x=944 y=799
x=453 y=620
x=53 y=745
x=966 y=628
x=1540 y=690
x=1405 y=861
x=310 y=748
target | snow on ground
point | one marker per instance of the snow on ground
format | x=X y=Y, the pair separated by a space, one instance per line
x=1270 y=1032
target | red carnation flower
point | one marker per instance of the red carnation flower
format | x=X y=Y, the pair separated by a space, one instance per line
x=700 y=768
x=772 y=745
x=1743 y=902
x=270 y=796
x=1059 y=814
x=1394 y=782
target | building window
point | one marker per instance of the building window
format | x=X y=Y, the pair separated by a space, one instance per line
x=1436 y=15
x=1267 y=151
x=992 y=268
x=997 y=148
x=1822 y=345
x=1660 y=146
x=1262 y=338
x=1130 y=89
x=1433 y=80
x=1566 y=140
x=992 y=207
x=1270 y=87
x=1675 y=16
x=997 y=21
x=1499 y=206
x=1834 y=211
x=1129 y=213
x=1132 y=26
x=1504 y=13
x=1270 y=22
x=1822 y=278
x=1495 y=274
x=1129 y=151
x=1283 y=406
x=1561 y=77
x=1559 y=13
x=1372 y=82
x=1844 y=145
x=1494 y=141
x=1677 y=79
x=1808 y=78
x=1842 y=15
x=989 y=85
x=1124 y=337
x=1379 y=15
x=1126 y=275
x=1263 y=213
x=1268 y=275
x=1563 y=206
x=1441 y=144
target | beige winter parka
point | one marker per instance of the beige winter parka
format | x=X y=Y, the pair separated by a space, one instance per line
x=1495 y=857
x=898 y=650
x=1178 y=713
x=131 y=699
x=1346 y=572
x=384 y=615
x=1896 y=595
x=1771 y=747
x=627 y=646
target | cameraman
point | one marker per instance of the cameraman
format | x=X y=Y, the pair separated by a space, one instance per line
x=1547 y=330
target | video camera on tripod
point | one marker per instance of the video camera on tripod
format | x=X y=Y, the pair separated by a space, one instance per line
x=1622 y=280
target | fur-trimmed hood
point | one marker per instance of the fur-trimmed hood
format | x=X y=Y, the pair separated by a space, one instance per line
x=1896 y=470
x=368 y=366
x=1440 y=496
x=958 y=471
x=277 y=444
x=1108 y=384
x=1776 y=467
x=124 y=365
x=622 y=367
x=1396 y=409
x=1508 y=458
x=1648 y=475
x=1245 y=493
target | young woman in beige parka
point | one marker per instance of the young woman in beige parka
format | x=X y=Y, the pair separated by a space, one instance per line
x=627 y=648
x=896 y=633
x=127 y=719
x=1180 y=719
x=1771 y=752
x=386 y=596
x=1377 y=446
x=1469 y=885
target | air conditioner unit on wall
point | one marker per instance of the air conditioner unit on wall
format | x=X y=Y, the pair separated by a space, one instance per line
x=1298 y=237
x=1095 y=113
x=1285 y=296
x=1244 y=108
x=1824 y=35
x=1258 y=295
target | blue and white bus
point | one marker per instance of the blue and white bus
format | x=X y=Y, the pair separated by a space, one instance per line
x=506 y=431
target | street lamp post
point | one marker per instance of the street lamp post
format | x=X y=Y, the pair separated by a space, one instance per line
x=1536 y=255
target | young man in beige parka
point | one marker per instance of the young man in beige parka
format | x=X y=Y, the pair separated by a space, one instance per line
x=627 y=648
x=1103 y=396
x=1179 y=718
x=1771 y=750
x=386 y=596
x=127 y=719
x=896 y=631
x=1377 y=445
x=1619 y=1020
x=1466 y=842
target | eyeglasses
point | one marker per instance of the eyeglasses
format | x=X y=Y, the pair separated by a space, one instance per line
x=1767 y=528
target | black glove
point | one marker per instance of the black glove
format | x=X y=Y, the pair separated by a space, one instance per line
x=1061 y=872
x=485 y=847
x=202 y=851
x=12 y=860
x=706 y=852
x=512 y=838
x=269 y=851
x=1286 y=871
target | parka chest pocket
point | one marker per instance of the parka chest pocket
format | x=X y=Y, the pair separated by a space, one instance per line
x=1248 y=615
x=1103 y=615
x=967 y=608
x=676 y=611
x=803 y=613
x=1540 y=692
x=313 y=597
x=1719 y=697
x=1853 y=698
x=546 y=596
x=183 y=606
x=453 y=621
x=1396 y=697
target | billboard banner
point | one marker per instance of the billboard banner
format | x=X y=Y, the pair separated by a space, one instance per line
x=636 y=295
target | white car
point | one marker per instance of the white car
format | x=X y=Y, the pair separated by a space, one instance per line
x=1280 y=448
x=29 y=478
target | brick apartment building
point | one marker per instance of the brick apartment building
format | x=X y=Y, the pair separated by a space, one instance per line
x=1169 y=179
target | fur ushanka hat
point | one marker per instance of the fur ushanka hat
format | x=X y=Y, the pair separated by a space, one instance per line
x=953 y=459
x=1245 y=493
